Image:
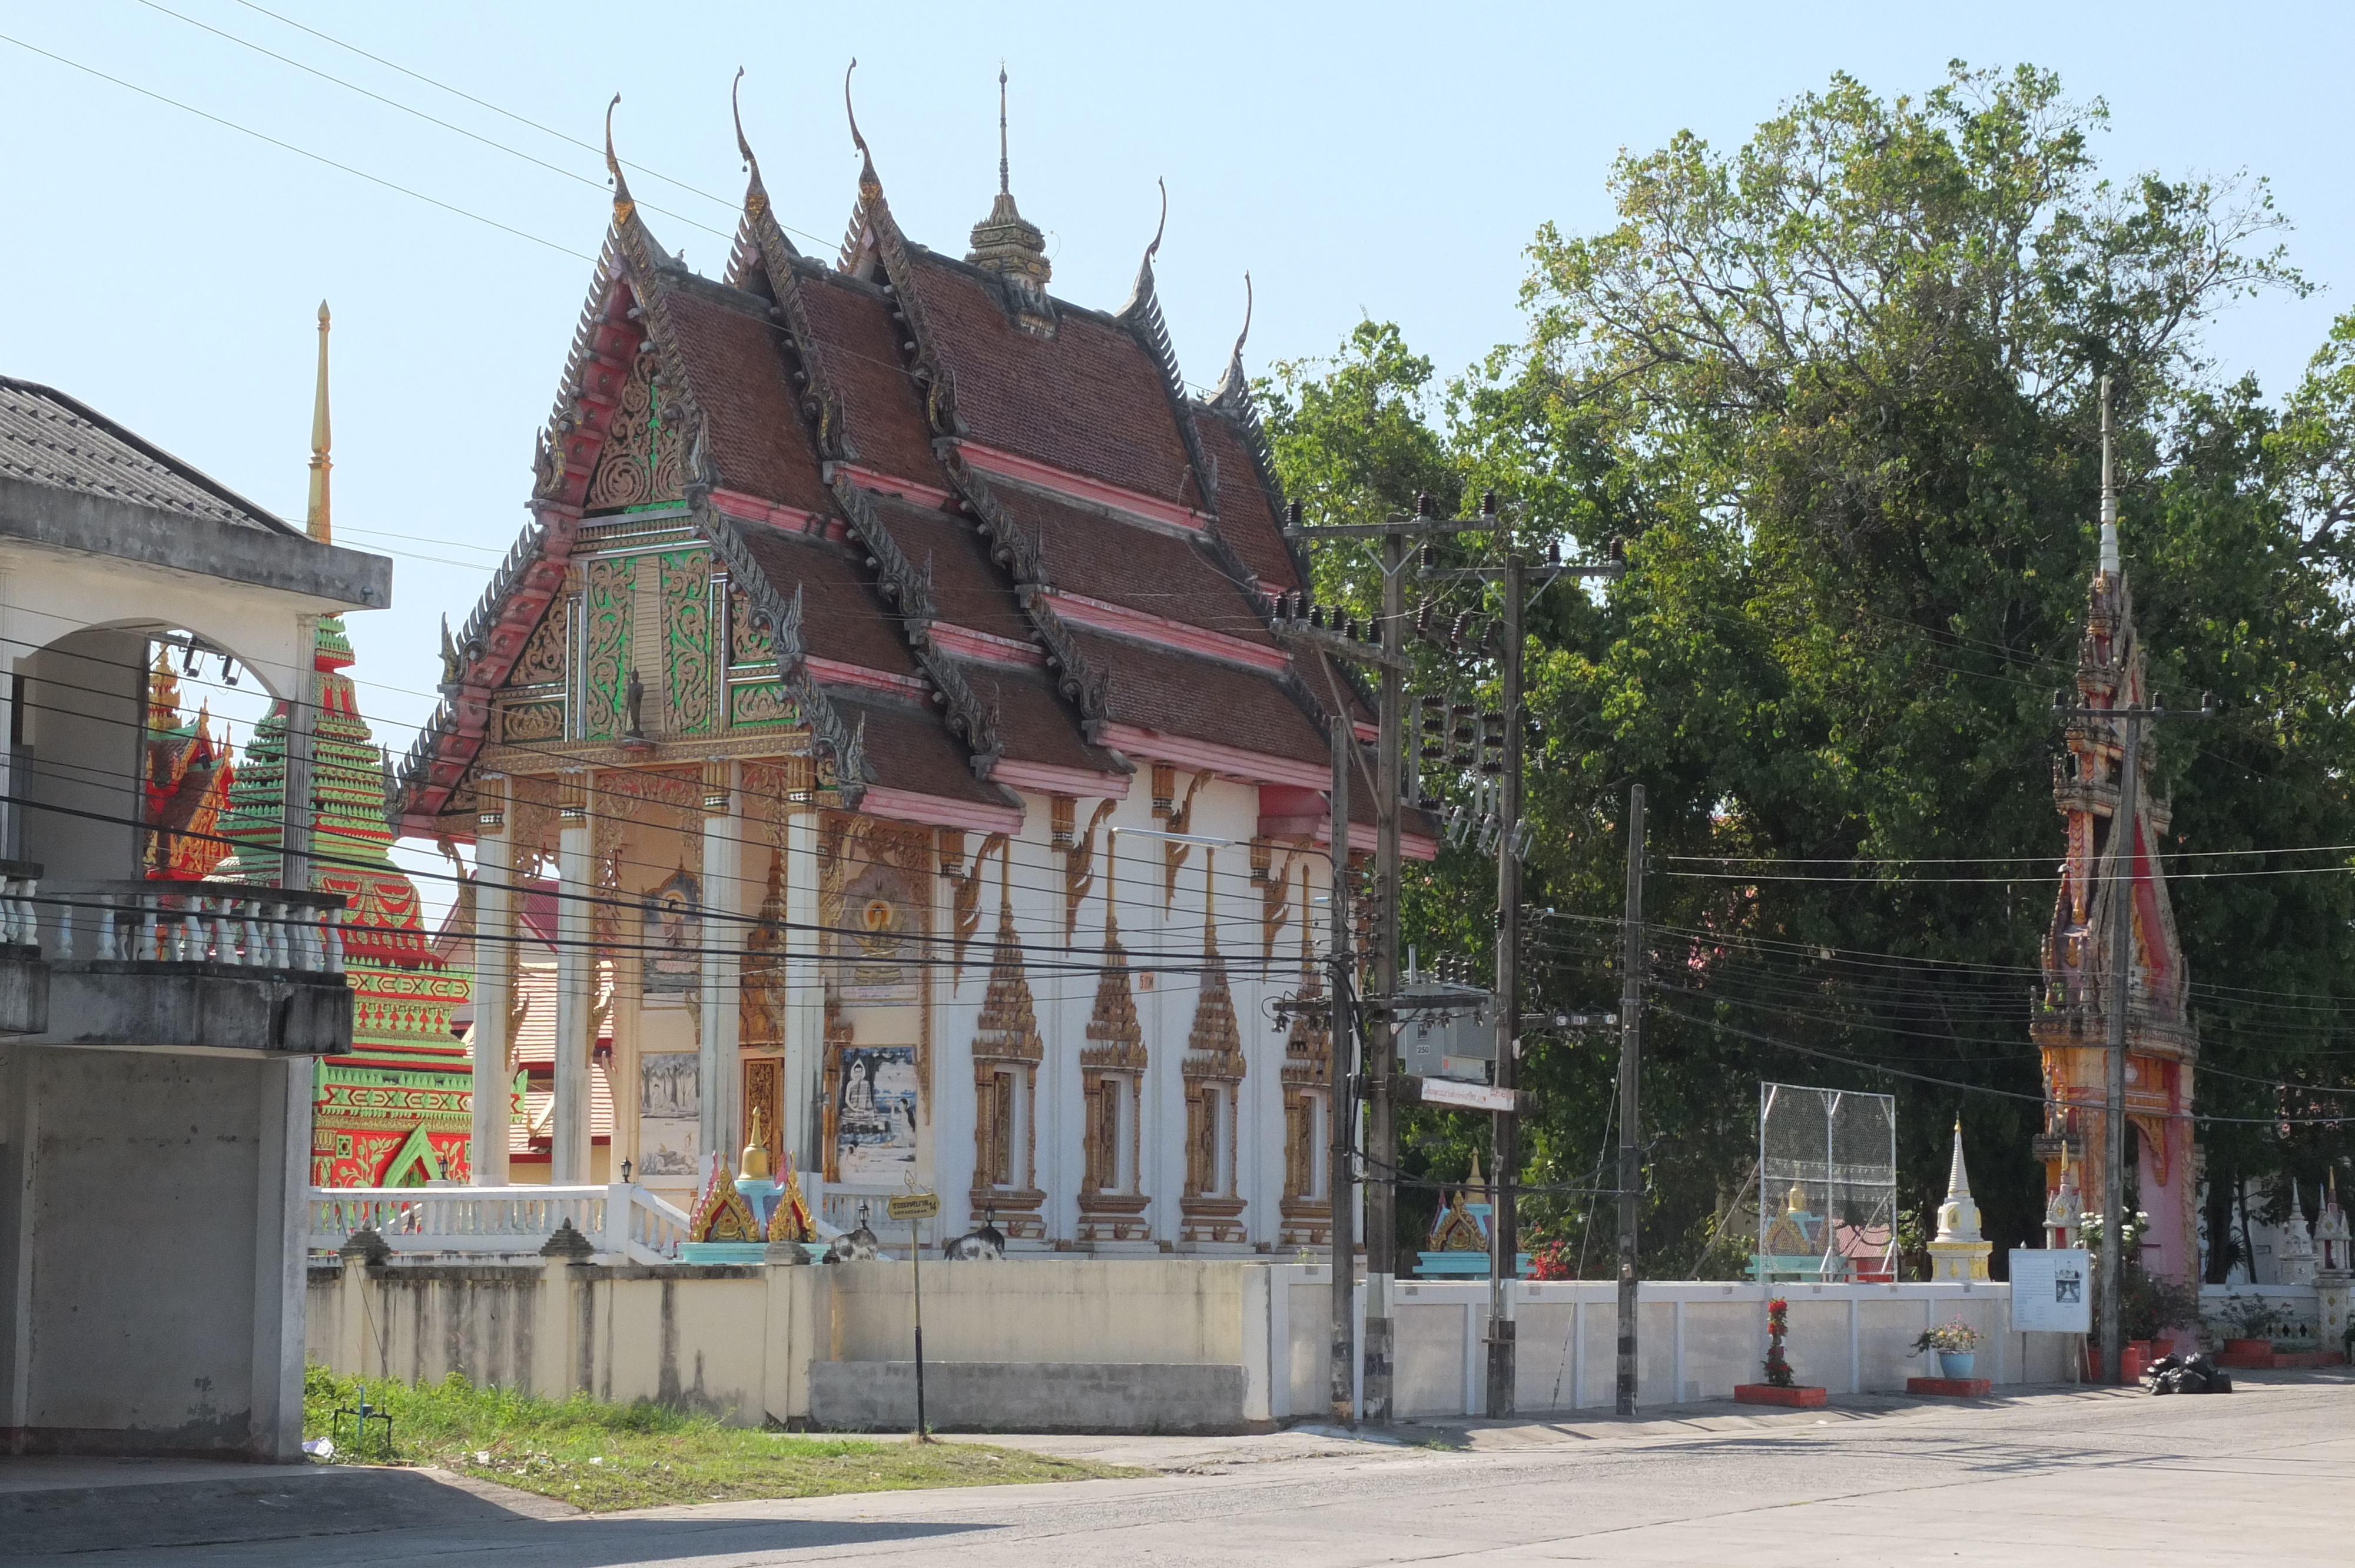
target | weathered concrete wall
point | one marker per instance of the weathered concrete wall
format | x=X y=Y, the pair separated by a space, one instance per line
x=1173 y=1310
x=1169 y=1344
x=1028 y=1397
x=152 y=1257
x=1695 y=1340
x=84 y=712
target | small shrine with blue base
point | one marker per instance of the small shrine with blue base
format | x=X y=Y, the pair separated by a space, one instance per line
x=1462 y=1240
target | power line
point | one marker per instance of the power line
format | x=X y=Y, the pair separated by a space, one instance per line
x=298 y=151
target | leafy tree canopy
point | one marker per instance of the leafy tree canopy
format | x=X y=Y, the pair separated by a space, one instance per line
x=1836 y=390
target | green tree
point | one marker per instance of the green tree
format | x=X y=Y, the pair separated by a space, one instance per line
x=1835 y=389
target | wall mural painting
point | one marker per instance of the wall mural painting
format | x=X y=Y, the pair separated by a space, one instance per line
x=669 y=1114
x=879 y=919
x=874 y=1117
x=672 y=937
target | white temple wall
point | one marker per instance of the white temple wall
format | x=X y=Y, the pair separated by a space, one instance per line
x=752 y=1343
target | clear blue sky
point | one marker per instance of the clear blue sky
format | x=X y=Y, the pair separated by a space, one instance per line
x=1362 y=159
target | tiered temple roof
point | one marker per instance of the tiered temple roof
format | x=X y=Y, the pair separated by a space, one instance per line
x=989 y=537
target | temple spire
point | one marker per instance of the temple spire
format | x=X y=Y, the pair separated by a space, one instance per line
x=1006 y=242
x=2110 y=561
x=316 y=522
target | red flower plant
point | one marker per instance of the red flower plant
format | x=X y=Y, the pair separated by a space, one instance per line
x=1778 y=1322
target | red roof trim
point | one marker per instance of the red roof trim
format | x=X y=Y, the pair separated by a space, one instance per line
x=893 y=484
x=963 y=642
x=834 y=672
x=1079 y=487
x=1174 y=634
x=752 y=509
x=1046 y=779
x=934 y=811
x=1210 y=756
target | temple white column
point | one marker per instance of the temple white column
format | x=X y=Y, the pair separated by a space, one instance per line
x=495 y=904
x=717 y=1073
x=804 y=996
x=576 y=982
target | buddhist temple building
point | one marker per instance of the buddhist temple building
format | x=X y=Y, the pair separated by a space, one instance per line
x=186 y=784
x=397 y=1110
x=2070 y=1024
x=885 y=679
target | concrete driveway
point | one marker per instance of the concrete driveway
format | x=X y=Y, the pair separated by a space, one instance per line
x=2260 y=1476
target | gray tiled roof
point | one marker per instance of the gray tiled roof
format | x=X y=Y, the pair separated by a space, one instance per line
x=47 y=437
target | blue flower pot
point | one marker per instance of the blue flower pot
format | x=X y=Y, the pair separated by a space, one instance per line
x=1956 y=1363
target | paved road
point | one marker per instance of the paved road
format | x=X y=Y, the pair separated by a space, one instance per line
x=2262 y=1477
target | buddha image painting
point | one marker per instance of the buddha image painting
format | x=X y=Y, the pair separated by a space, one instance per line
x=672 y=937
x=879 y=915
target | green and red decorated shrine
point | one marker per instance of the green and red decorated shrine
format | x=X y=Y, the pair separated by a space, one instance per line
x=397 y=1110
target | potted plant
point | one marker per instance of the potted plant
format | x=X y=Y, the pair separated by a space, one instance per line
x=2248 y=1321
x=1954 y=1343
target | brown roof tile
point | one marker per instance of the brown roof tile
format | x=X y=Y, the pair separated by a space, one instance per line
x=860 y=348
x=1034 y=723
x=1246 y=517
x=968 y=589
x=1089 y=400
x=911 y=748
x=736 y=369
x=842 y=618
x=1203 y=699
x=1145 y=569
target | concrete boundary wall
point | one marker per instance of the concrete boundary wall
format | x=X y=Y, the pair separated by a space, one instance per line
x=1172 y=1344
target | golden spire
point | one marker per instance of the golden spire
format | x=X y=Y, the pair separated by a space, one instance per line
x=317 y=524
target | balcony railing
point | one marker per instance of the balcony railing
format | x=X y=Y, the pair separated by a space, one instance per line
x=287 y=929
x=215 y=966
x=24 y=977
x=622 y=1219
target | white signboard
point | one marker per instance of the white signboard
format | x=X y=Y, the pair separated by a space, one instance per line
x=2051 y=1292
x=1471 y=1096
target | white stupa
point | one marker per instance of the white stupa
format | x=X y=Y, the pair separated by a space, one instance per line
x=2296 y=1260
x=1959 y=1252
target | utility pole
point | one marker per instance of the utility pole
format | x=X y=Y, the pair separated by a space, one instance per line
x=2118 y=998
x=1505 y=1139
x=1381 y=1042
x=1631 y=1056
x=1340 y=1184
x=1383 y=1087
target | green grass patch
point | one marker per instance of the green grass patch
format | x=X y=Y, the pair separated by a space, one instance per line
x=602 y=1456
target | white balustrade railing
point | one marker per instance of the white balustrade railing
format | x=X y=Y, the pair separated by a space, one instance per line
x=189 y=923
x=20 y=883
x=621 y=1220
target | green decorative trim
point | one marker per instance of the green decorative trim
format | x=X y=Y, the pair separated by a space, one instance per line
x=687 y=642
x=609 y=592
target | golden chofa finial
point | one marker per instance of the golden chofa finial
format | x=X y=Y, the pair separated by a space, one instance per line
x=316 y=521
x=871 y=185
x=622 y=205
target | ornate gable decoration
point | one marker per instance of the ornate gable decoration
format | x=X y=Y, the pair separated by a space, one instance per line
x=721 y=1213
x=644 y=463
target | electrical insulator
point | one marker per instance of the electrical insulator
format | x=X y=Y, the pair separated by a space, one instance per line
x=1488 y=503
x=1461 y=731
x=1432 y=723
x=1455 y=635
x=1492 y=742
x=1316 y=615
x=1422 y=617
x=1292 y=514
x=1553 y=553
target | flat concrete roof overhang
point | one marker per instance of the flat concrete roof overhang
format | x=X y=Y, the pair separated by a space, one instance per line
x=46 y=516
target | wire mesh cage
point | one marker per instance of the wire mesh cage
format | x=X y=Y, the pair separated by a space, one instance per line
x=1828 y=1185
